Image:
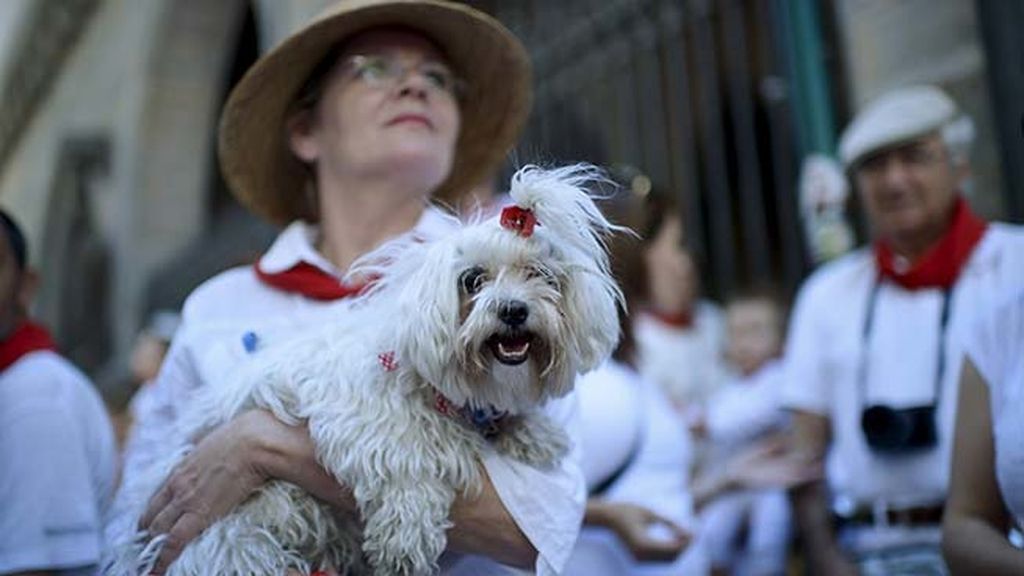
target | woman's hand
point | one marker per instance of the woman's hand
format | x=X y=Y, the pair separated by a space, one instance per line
x=633 y=525
x=218 y=475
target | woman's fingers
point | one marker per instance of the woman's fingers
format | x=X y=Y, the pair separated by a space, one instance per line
x=184 y=530
x=156 y=505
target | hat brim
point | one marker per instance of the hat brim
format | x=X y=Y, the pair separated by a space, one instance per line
x=255 y=158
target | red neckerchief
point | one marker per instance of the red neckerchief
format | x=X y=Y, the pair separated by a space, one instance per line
x=680 y=320
x=26 y=338
x=310 y=281
x=940 y=266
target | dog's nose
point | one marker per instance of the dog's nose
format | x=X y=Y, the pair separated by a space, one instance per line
x=513 y=312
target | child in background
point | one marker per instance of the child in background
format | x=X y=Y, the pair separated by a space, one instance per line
x=747 y=531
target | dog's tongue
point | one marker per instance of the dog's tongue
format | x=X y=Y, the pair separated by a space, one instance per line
x=511 y=349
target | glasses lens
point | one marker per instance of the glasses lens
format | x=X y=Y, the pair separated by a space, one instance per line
x=373 y=69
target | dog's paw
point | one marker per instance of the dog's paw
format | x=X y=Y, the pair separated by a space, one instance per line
x=534 y=440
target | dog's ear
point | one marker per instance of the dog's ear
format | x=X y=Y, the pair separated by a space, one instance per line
x=428 y=310
x=591 y=299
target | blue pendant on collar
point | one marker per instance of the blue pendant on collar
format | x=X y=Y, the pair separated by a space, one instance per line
x=486 y=421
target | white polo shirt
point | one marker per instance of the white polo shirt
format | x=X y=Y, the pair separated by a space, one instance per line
x=57 y=467
x=823 y=356
x=210 y=344
x=686 y=363
x=995 y=346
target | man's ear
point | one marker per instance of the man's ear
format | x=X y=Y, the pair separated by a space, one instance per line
x=962 y=171
x=302 y=136
x=27 y=286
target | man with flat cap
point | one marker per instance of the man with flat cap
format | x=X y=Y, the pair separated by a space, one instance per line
x=873 y=354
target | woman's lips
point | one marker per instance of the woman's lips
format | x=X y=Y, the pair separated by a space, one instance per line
x=411 y=119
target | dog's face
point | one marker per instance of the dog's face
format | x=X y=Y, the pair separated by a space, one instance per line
x=492 y=318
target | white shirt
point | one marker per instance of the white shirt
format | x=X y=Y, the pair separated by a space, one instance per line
x=996 y=348
x=615 y=399
x=686 y=363
x=746 y=408
x=547 y=506
x=57 y=466
x=824 y=352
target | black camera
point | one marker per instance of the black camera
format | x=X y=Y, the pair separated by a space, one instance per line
x=899 y=430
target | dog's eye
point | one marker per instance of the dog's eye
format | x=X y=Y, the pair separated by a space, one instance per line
x=543 y=274
x=473 y=279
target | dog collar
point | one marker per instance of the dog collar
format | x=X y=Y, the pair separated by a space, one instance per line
x=486 y=421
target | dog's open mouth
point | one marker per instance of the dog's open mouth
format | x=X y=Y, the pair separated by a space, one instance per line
x=510 y=349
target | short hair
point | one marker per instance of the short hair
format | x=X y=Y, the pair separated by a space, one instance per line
x=15 y=238
x=766 y=292
x=958 y=136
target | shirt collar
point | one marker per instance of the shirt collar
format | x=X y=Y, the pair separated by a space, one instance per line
x=296 y=244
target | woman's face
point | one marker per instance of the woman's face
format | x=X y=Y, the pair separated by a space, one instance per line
x=384 y=111
x=671 y=273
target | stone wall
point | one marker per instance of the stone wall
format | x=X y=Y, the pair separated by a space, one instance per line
x=889 y=44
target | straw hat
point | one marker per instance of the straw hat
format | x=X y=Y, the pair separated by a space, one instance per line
x=896 y=117
x=254 y=154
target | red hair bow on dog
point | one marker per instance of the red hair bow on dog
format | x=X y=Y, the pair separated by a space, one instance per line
x=519 y=220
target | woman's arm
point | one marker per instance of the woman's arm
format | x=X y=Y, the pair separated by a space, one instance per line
x=976 y=522
x=236 y=459
x=631 y=525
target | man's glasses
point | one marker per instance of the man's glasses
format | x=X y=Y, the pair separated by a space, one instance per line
x=387 y=72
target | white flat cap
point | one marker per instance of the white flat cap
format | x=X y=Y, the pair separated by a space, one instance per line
x=895 y=117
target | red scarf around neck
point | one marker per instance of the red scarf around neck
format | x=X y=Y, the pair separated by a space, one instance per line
x=940 y=266
x=26 y=338
x=309 y=281
x=679 y=320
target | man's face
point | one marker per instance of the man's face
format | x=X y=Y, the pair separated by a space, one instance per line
x=909 y=188
x=10 y=288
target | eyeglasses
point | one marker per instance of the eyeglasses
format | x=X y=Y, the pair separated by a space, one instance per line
x=387 y=72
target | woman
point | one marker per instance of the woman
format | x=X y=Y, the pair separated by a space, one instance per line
x=987 y=485
x=348 y=128
x=636 y=449
x=676 y=326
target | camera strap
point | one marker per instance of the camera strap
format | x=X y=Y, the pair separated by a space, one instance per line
x=868 y=326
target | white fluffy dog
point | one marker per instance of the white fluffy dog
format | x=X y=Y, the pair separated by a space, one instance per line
x=459 y=344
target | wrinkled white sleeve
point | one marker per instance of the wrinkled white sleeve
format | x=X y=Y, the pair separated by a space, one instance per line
x=49 y=518
x=993 y=341
x=806 y=386
x=546 y=505
x=152 y=432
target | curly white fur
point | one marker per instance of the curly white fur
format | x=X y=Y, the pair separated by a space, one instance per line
x=375 y=425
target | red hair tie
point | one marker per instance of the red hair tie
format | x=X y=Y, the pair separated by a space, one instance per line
x=519 y=220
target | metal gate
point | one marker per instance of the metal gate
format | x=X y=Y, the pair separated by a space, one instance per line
x=697 y=94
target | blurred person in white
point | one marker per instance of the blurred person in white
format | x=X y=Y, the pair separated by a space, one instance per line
x=986 y=494
x=747 y=531
x=823 y=194
x=57 y=454
x=147 y=355
x=346 y=130
x=636 y=449
x=679 y=334
x=638 y=452
x=871 y=369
